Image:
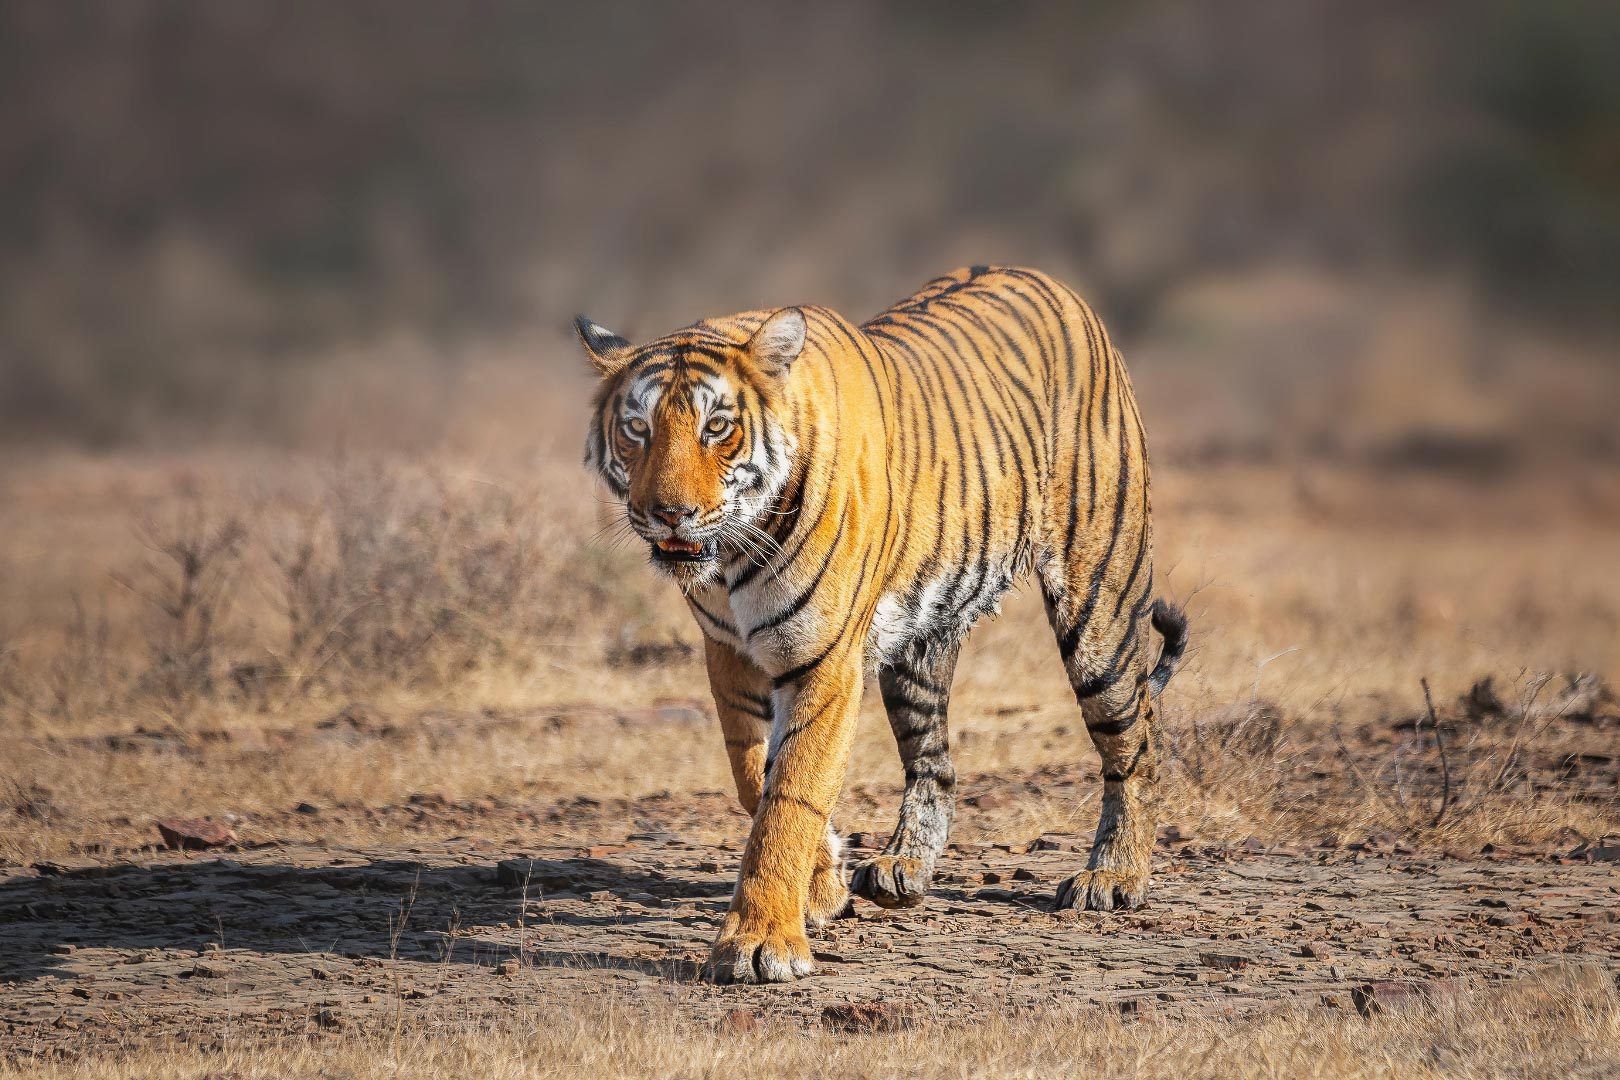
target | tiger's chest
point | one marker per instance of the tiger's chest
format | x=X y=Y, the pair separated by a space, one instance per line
x=941 y=607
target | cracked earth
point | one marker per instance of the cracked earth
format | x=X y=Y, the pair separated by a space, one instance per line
x=279 y=938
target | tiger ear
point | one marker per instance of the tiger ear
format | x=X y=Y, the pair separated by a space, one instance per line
x=777 y=342
x=607 y=350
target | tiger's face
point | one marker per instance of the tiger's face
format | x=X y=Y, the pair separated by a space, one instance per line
x=687 y=433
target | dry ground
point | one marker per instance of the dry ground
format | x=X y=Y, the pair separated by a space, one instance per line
x=389 y=679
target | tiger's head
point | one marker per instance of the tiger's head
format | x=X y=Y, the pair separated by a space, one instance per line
x=689 y=432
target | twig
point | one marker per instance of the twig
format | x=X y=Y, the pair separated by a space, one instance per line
x=1445 y=765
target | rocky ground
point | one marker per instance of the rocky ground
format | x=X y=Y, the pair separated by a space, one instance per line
x=272 y=939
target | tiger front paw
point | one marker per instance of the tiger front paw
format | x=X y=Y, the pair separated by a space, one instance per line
x=758 y=954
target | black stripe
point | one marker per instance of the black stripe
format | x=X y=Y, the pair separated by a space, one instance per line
x=796 y=605
x=1121 y=777
x=1114 y=727
x=1071 y=639
x=715 y=619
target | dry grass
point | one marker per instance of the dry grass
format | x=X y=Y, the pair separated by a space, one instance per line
x=1566 y=1024
x=234 y=636
x=155 y=596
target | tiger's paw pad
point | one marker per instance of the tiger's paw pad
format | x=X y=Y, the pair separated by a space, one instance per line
x=745 y=956
x=1102 y=890
x=891 y=881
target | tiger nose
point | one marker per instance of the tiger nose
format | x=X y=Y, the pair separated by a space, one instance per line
x=673 y=516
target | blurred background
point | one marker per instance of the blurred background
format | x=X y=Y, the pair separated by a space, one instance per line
x=291 y=503
x=1321 y=228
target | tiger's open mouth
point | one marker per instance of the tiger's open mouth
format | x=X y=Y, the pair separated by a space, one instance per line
x=674 y=549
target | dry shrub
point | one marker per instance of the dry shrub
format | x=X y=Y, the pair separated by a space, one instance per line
x=1230 y=747
x=380 y=578
x=1500 y=765
x=188 y=584
x=413 y=579
x=1223 y=770
x=82 y=677
x=1473 y=768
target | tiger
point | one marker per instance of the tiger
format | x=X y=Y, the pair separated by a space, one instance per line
x=841 y=502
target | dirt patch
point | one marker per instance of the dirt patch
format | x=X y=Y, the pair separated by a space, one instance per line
x=304 y=939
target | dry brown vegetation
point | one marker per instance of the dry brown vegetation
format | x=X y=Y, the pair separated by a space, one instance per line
x=1566 y=1023
x=156 y=601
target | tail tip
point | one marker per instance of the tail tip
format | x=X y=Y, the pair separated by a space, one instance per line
x=1171 y=623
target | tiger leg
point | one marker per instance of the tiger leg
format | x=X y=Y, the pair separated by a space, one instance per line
x=1120 y=715
x=916 y=694
x=1116 y=876
x=742 y=697
x=763 y=937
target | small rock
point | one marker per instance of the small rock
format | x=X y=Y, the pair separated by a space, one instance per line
x=739 y=1022
x=194 y=834
x=709 y=866
x=1223 y=961
x=1316 y=950
x=1023 y=873
x=858 y=1018
x=207 y=971
x=1506 y=918
x=602 y=851
x=1382 y=995
x=1604 y=854
x=990 y=800
x=331 y=1019
x=1054 y=842
x=507 y=967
